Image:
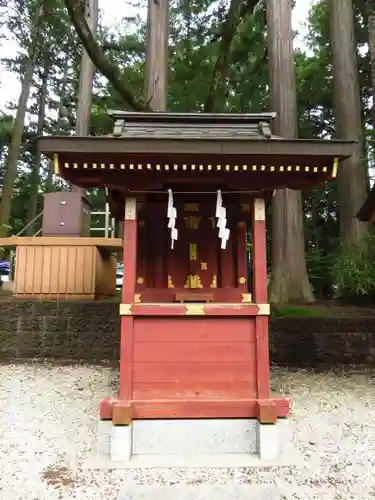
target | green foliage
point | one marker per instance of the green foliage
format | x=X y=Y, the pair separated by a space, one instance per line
x=355 y=271
x=319 y=265
x=195 y=36
x=295 y=312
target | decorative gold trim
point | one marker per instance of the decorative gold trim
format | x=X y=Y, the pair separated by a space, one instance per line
x=201 y=168
x=130 y=208
x=193 y=253
x=246 y=298
x=242 y=280
x=203 y=266
x=335 y=167
x=170 y=282
x=193 y=281
x=137 y=298
x=192 y=222
x=263 y=310
x=191 y=207
x=140 y=280
x=125 y=309
x=214 y=281
x=194 y=309
x=259 y=209
x=56 y=166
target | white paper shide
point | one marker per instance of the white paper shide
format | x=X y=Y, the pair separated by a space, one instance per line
x=221 y=224
x=172 y=216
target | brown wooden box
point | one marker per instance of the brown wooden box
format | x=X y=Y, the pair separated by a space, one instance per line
x=49 y=268
x=66 y=214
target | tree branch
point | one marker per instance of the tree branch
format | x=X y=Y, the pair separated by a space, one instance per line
x=98 y=57
x=229 y=28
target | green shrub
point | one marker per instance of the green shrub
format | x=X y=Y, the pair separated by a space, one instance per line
x=355 y=271
x=319 y=267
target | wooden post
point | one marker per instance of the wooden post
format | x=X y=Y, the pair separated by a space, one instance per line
x=127 y=298
x=260 y=296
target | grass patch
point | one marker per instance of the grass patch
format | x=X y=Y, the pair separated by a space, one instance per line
x=296 y=312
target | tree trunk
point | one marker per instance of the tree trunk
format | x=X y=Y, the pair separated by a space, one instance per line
x=289 y=282
x=98 y=57
x=59 y=123
x=35 y=174
x=156 y=77
x=86 y=76
x=15 y=146
x=371 y=36
x=228 y=30
x=352 y=174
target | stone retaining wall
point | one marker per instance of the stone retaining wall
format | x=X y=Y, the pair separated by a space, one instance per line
x=90 y=331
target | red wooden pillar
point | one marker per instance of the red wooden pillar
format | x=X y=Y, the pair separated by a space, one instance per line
x=260 y=296
x=127 y=298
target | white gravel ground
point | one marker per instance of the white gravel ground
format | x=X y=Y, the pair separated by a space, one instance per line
x=48 y=425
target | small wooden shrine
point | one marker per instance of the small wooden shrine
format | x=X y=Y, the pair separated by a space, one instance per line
x=192 y=190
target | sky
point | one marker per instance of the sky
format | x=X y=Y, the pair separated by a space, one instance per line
x=113 y=12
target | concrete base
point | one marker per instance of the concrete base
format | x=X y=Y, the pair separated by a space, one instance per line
x=190 y=437
x=7 y=286
x=104 y=437
x=121 y=443
x=201 y=492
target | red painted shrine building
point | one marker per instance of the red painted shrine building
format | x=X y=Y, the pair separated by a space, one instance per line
x=194 y=318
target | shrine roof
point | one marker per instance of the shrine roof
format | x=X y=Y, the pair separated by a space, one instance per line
x=199 y=126
x=195 y=144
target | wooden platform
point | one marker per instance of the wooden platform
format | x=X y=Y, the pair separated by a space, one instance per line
x=110 y=244
x=61 y=268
